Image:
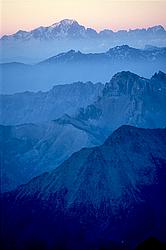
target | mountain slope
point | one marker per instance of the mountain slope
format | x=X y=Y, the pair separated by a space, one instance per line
x=104 y=192
x=122 y=152
x=30 y=149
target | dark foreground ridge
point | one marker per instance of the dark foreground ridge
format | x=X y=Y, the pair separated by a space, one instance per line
x=107 y=197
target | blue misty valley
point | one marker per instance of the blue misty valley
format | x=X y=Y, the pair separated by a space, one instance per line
x=83 y=139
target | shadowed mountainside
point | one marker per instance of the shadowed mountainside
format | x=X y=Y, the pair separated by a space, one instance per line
x=112 y=195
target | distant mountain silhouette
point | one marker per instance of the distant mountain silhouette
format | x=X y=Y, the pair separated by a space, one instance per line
x=74 y=66
x=71 y=29
x=42 y=42
x=151 y=243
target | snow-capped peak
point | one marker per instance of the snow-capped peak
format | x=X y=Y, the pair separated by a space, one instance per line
x=65 y=22
x=68 y=22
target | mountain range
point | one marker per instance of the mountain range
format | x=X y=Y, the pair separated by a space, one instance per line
x=30 y=149
x=82 y=138
x=42 y=42
x=74 y=66
x=107 y=197
x=69 y=28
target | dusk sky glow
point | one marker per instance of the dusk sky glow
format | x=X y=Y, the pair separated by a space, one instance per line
x=98 y=14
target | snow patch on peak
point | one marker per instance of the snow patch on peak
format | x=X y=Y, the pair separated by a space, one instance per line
x=124 y=47
x=65 y=22
x=68 y=22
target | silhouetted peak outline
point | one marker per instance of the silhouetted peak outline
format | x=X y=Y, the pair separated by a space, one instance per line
x=66 y=25
x=65 y=22
x=156 y=28
x=159 y=76
x=125 y=82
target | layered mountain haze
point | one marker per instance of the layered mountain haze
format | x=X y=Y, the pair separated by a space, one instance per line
x=74 y=66
x=111 y=196
x=93 y=99
x=83 y=129
x=42 y=42
x=117 y=53
x=126 y=99
x=28 y=149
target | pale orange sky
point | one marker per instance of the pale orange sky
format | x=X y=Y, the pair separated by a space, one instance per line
x=98 y=14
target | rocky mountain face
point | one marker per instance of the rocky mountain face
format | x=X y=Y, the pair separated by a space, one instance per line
x=42 y=42
x=73 y=66
x=126 y=100
x=129 y=99
x=30 y=107
x=107 y=197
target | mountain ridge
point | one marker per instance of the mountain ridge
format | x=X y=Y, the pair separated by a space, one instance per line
x=115 y=51
x=74 y=66
x=68 y=23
